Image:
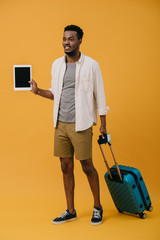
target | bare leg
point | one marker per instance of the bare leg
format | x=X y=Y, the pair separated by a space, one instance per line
x=93 y=179
x=67 y=166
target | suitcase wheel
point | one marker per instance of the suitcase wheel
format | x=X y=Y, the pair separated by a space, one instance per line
x=150 y=209
x=143 y=215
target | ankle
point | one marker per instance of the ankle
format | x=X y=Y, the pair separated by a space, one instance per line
x=72 y=211
x=98 y=206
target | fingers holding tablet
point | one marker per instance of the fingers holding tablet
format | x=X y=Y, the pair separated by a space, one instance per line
x=34 y=86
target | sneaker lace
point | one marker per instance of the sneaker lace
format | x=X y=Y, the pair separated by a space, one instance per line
x=64 y=214
x=96 y=213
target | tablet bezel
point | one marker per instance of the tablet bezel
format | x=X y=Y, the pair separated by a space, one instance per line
x=22 y=88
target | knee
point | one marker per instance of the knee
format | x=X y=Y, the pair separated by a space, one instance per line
x=88 y=169
x=67 y=168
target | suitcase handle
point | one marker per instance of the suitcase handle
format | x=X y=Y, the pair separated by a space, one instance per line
x=104 y=140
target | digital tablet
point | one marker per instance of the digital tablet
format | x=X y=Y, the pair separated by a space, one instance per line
x=22 y=74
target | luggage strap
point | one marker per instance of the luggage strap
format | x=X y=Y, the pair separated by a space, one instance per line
x=104 y=140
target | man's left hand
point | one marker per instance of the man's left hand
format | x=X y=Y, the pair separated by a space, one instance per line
x=103 y=130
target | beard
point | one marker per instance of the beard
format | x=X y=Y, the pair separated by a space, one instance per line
x=72 y=53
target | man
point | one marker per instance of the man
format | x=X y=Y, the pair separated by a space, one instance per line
x=78 y=93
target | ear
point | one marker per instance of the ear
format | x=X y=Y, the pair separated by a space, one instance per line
x=80 y=40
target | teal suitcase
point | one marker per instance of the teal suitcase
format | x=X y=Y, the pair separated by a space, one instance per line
x=126 y=186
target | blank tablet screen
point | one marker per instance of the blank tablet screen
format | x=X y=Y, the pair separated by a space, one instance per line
x=22 y=74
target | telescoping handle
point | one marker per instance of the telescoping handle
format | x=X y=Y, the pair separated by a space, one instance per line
x=107 y=139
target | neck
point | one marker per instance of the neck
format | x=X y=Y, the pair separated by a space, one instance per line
x=74 y=58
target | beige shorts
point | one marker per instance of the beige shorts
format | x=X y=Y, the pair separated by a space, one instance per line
x=67 y=141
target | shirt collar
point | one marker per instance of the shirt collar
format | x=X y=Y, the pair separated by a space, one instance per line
x=80 y=59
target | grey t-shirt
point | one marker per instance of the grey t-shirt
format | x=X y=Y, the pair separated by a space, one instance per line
x=67 y=102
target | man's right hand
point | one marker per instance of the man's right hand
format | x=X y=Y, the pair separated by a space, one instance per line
x=41 y=92
x=34 y=87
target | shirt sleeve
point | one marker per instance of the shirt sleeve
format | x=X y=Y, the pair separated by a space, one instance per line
x=52 y=84
x=99 y=93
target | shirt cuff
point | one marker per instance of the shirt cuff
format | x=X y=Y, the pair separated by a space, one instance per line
x=102 y=111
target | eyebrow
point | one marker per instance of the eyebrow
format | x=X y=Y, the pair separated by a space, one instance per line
x=68 y=38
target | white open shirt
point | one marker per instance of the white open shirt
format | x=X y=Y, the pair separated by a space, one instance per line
x=89 y=91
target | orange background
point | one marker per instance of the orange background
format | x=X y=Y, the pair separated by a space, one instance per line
x=123 y=36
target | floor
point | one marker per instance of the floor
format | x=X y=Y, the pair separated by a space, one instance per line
x=29 y=218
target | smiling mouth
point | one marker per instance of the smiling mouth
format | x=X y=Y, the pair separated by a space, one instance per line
x=67 y=47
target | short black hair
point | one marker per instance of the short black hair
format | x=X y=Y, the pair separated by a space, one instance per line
x=76 y=29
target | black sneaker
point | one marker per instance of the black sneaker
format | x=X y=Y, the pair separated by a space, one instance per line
x=65 y=217
x=97 y=216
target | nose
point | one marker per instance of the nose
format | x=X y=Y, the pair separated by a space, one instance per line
x=66 y=42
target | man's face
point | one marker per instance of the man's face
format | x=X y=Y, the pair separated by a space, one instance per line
x=71 y=43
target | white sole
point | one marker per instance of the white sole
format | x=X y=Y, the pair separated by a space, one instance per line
x=69 y=220
x=95 y=224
